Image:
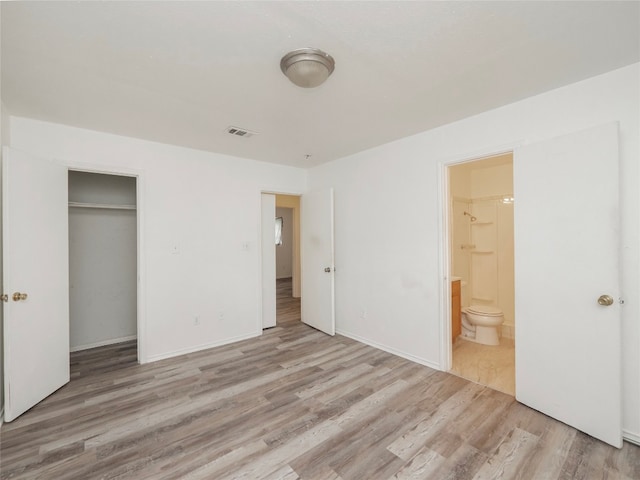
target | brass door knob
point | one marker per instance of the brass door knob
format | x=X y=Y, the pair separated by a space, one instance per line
x=19 y=296
x=327 y=269
x=605 y=300
x=4 y=297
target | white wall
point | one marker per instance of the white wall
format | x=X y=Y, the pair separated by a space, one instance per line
x=387 y=211
x=102 y=261
x=200 y=228
x=201 y=209
x=284 y=252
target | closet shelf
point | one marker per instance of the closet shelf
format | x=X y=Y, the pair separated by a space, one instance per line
x=482 y=252
x=481 y=223
x=101 y=205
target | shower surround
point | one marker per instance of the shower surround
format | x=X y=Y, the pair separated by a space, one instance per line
x=482 y=234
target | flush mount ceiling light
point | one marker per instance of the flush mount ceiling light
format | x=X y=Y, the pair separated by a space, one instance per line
x=307 y=67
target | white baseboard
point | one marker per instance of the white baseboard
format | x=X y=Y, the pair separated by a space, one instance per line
x=204 y=346
x=407 y=356
x=631 y=437
x=103 y=343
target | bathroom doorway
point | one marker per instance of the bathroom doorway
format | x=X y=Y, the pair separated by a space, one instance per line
x=481 y=270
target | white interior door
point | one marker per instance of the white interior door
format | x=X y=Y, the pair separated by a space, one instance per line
x=566 y=218
x=268 y=260
x=316 y=245
x=36 y=263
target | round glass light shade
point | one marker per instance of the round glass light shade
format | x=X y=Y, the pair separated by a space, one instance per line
x=307 y=67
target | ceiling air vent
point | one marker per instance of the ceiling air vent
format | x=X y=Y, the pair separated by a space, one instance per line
x=240 y=132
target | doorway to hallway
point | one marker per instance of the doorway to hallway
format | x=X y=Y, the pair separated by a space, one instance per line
x=287 y=306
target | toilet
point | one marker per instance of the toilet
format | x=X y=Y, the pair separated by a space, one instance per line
x=480 y=324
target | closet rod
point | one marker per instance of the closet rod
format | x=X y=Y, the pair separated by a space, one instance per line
x=101 y=205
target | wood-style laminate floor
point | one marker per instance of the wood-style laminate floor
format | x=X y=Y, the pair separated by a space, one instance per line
x=293 y=403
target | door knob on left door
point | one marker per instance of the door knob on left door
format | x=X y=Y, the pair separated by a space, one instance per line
x=19 y=296
x=605 y=300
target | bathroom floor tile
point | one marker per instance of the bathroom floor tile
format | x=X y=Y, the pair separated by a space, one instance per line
x=493 y=366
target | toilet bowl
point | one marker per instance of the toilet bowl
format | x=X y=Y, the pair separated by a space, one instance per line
x=480 y=324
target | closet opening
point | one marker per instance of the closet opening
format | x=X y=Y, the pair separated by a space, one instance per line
x=103 y=263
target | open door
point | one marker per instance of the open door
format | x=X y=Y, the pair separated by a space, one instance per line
x=568 y=362
x=316 y=245
x=36 y=280
x=268 y=260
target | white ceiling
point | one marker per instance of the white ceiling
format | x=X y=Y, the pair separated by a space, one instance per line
x=181 y=72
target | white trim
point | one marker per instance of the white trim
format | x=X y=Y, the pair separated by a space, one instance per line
x=483 y=153
x=631 y=437
x=6 y=326
x=101 y=168
x=292 y=193
x=140 y=254
x=103 y=343
x=407 y=356
x=142 y=279
x=261 y=250
x=260 y=315
x=204 y=346
x=444 y=262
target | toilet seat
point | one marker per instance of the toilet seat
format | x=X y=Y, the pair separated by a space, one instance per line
x=481 y=323
x=484 y=310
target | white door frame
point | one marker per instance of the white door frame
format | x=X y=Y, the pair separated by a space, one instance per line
x=268 y=252
x=298 y=194
x=446 y=348
x=141 y=284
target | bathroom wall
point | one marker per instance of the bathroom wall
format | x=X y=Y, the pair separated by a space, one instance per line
x=482 y=250
x=487 y=179
x=506 y=270
x=459 y=227
x=460 y=244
